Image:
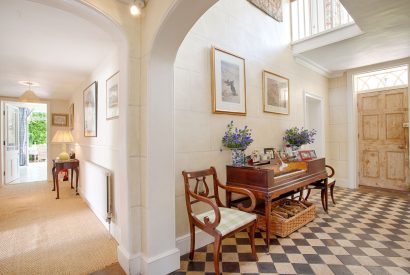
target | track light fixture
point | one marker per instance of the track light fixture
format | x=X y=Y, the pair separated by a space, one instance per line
x=136 y=7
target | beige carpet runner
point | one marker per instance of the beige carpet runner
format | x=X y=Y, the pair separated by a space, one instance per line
x=42 y=235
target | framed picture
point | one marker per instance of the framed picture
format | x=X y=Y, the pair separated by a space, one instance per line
x=112 y=105
x=313 y=154
x=273 y=8
x=269 y=152
x=59 y=120
x=90 y=110
x=228 y=83
x=275 y=93
x=305 y=155
x=71 y=116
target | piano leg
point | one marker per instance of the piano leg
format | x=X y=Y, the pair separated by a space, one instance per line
x=268 y=206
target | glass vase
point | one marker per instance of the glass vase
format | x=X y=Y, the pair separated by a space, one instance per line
x=238 y=157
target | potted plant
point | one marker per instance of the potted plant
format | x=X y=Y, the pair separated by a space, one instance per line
x=237 y=140
x=296 y=137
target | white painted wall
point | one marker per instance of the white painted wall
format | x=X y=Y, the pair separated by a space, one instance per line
x=103 y=150
x=337 y=144
x=238 y=27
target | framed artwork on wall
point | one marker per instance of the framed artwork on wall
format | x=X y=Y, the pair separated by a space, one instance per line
x=59 y=120
x=71 y=116
x=273 y=8
x=112 y=94
x=228 y=83
x=275 y=93
x=90 y=98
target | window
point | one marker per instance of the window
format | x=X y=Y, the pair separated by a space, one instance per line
x=382 y=79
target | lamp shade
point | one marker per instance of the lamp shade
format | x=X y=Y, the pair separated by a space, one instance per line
x=29 y=96
x=62 y=136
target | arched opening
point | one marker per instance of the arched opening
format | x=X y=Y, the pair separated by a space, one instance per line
x=161 y=151
x=173 y=128
x=116 y=131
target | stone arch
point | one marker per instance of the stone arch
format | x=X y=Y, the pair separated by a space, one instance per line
x=94 y=14
x=160 y=135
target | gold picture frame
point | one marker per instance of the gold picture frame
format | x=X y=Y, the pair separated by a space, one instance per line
x=59 y=120
x=228 y=83
x=112 y=109
x=90 y=105
x=275 y=93
x=71 y=116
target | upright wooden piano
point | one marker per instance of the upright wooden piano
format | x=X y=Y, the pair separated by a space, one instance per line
x=273 y=181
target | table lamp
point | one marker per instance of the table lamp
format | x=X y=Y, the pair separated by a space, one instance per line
x=63 y=137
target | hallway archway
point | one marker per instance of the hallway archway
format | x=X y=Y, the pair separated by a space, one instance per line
x=161 y=252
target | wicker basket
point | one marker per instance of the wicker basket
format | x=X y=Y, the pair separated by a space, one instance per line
x=284 y=226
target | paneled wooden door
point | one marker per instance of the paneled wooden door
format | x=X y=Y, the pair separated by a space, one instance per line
x=383 y=139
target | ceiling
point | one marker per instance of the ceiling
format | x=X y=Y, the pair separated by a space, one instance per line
x=47 y=45
x=386 y=36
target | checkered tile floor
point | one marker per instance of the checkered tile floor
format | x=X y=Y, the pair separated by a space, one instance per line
x=363 y=234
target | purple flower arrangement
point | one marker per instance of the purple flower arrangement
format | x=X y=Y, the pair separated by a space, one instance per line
x=297 y=137
x=235 y=138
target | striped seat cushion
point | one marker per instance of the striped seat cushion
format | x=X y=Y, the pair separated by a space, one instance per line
x=231 y=219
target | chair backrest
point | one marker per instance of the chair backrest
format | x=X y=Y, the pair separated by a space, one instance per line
x=195 y=182
x=330 y=171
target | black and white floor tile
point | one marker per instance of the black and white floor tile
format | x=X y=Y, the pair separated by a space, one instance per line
x=363 y=233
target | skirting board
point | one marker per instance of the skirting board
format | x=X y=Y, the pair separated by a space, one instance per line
x=201 y=239
x=112 y=228
x=164 y=263
x=130 y=263
x=138 y=264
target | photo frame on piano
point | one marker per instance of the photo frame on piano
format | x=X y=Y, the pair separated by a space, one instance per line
x=313 y=154
x=269 y=152
x=305 y=155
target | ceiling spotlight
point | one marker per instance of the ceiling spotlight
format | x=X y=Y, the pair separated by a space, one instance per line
x=136 y=7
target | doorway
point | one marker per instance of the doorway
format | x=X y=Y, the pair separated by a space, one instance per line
x=24 y=134
x=382 y=140
x=314 y=119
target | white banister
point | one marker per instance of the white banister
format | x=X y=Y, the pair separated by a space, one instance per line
x=312 y=17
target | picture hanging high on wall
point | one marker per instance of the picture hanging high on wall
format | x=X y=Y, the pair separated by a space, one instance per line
x=90 y=110
x=228 y=83
x=275 y=93
x=112 y=107
x=273 y=8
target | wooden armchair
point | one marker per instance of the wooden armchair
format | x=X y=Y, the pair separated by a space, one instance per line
x=219 y=222
x=321 y=185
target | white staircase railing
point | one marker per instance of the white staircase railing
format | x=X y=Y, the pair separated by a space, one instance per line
x=312 y=17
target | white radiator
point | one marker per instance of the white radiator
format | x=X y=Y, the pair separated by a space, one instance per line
x=97 y=190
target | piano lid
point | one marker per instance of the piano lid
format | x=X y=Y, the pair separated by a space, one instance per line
x=280 y=170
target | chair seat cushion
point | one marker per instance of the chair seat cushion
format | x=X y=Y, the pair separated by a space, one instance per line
x=231 y=219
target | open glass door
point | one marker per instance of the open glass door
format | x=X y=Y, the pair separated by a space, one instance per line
x=11 y=143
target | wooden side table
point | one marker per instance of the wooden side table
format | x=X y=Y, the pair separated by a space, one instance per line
x=58 y=165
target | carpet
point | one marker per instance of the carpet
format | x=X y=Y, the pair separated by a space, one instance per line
x=42 y=235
